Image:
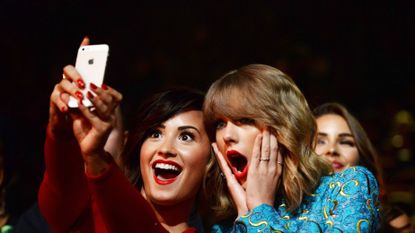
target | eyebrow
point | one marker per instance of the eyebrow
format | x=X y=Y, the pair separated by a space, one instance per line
x=181 y=128
x=340 y=135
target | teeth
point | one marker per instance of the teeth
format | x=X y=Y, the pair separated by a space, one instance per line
x=166 y=166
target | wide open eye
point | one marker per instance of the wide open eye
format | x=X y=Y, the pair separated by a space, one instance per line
x=154 y=133
x=187 y=136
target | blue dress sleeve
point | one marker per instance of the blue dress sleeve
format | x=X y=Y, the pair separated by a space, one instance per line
x=344 y=202
x=263 y=218
x=354 y=204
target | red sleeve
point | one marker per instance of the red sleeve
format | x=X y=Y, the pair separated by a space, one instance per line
x=63 y=195
x=121 y=205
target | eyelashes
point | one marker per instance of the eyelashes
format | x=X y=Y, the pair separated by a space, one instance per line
x=185 y=135
x=219 y=124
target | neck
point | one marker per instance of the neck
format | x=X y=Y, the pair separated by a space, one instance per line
x=174 y=218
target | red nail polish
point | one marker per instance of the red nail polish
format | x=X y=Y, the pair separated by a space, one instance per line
x=104 y=87
x=80 y=83
x=93 y=86
x=90 y=95
x=79 y=95
x=64 y=109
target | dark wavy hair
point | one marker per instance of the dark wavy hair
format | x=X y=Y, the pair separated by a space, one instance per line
x=155 y=110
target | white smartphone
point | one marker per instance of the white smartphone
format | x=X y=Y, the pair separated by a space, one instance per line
x=90 y=63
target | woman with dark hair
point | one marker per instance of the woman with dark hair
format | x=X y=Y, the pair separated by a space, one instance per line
x=342 y=140
x=167 y=159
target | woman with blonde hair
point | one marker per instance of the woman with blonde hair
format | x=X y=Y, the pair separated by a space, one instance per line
x=264 y=142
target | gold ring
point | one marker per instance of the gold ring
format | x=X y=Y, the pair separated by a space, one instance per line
x=265 y=159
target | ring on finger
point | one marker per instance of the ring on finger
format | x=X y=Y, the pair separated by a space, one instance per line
x=280 y=163
x=264 y=159
x=92 y=109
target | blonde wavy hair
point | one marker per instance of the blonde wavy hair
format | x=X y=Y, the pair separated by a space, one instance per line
x=271 y=98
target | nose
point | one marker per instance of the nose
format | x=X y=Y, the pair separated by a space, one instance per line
x=167 y=148
x=332 y=150
x=230 y=135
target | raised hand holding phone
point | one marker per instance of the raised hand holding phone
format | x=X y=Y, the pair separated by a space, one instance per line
x=90 y=64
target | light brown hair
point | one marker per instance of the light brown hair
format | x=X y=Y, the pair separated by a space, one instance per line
x=271 y=98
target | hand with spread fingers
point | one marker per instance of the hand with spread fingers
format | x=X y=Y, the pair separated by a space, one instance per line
x=236 y=190
x=263 y=174
x=264 y=171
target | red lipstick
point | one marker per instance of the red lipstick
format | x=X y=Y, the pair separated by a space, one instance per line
x=238 y=164
x=165 y=171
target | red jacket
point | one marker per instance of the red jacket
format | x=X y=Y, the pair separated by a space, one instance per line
x=73 y=202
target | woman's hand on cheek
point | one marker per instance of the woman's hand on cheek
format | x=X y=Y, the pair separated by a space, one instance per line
x=236 y=190
x=264 y=171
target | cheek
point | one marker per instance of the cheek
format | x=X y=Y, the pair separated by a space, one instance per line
x=352 y=157
x=220 y=142
x=145 y=152
x=198 y=157
x=196 y=161
x=319 y=149
x=250 y=143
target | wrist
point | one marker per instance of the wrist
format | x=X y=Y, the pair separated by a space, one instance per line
x=97 y=164
x=60 y=134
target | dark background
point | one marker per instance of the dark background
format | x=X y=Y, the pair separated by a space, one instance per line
x=359 y=54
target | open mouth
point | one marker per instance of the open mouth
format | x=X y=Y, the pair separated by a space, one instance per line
x=238 y=163
x=166 y=172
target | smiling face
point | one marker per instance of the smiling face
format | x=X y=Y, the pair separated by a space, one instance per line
x=336 y=142
x=235 y=139
x=173 y=159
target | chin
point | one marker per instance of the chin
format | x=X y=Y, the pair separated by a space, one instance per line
x=243 y=184
x=164 y=199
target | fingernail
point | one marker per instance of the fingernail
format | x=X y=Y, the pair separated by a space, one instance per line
x=90 y=95
x=80 y=83
x=93 y=86
x=104 y=87
x=79 y=95
x=64 y=109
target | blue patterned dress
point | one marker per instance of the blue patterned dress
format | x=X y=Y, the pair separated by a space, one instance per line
x=343 y=202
